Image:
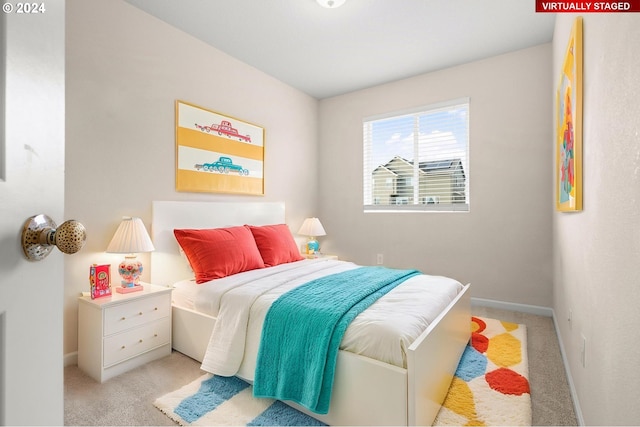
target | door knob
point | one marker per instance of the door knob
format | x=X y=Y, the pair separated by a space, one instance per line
x=40 y=234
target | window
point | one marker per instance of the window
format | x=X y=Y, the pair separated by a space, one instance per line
x=418 y=160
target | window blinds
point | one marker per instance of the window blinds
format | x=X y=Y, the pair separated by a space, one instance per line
x=418 y=160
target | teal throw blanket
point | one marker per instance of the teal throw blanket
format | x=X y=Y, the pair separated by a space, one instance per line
x=303 y=329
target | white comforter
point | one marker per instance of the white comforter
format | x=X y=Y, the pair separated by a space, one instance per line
x=384 y=331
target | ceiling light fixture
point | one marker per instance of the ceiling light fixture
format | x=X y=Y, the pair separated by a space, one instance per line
x=331 y=4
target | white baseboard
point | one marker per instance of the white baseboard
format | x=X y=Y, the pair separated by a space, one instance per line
x=71 y=359
x=513 y=306
x=547 y=312
x=572 y=388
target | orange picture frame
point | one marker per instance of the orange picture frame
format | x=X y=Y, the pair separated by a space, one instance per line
x=217 y=153
x=569 y=126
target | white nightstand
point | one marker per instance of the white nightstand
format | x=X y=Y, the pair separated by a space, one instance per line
x=319 y=256
x=123 y=331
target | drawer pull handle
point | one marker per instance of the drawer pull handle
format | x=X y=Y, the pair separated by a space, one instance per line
x=122 y=348
x=140 y=340
x=123 y=318
x=140 y=313
x=156 y=309
x=155 y=335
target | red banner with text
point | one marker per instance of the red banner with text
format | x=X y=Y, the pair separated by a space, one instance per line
x=573 y=6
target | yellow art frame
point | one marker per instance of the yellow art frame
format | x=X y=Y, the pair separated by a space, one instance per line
x=569 y=126
x=216 y=153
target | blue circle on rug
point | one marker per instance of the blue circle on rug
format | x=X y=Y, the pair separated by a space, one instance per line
x=472 y=364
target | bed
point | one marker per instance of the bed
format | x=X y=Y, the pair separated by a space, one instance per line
x=366 y=391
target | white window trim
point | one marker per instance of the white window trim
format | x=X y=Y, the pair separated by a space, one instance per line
x=419 y=207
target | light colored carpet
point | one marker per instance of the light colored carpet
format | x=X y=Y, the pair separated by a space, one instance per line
x=128 y=399
x=551 y=402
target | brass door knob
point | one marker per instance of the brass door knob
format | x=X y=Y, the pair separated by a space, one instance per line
x=40 y=234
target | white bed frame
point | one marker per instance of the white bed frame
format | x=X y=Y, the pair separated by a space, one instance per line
x=366 y=391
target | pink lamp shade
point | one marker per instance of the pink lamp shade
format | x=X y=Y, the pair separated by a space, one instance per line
x=130 y=238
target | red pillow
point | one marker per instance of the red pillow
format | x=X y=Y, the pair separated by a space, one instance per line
x=219 y=252
x=276 y=244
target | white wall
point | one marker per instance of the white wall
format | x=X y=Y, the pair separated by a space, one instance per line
x=597 y=251
x=125 y=69
x=503 y=245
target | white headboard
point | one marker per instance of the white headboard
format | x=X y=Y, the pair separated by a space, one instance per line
x=167 y=265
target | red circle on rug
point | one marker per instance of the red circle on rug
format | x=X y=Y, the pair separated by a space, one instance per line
x=479 y=342
x=479 y=325
x=507 y=381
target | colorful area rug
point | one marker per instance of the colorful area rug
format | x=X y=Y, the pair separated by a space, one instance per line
x=490 y=388
x=227 y=401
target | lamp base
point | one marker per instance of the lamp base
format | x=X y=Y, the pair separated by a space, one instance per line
x=130 y=270
x=313 y=246
x=135 y=288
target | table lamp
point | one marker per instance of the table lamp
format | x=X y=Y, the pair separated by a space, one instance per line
x=130 y=238
x=312 y=228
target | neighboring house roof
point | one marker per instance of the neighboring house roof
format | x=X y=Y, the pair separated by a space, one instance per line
x=400 y=158
x=438 y=165
x=383 y=168
x=425 y=167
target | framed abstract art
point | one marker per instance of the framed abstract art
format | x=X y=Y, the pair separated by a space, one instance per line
x=568 y=168
x=216 y=153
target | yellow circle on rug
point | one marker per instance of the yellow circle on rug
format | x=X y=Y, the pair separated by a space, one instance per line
x=460 y=399
x=504 y=350
x=509 y=326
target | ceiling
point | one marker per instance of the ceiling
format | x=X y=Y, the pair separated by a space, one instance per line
x=327 y=52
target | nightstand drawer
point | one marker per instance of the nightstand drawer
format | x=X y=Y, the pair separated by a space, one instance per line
x=127 y=315
x=136 y=341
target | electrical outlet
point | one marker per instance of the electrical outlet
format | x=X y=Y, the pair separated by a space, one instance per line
x=380 y=259
x=583 y=352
